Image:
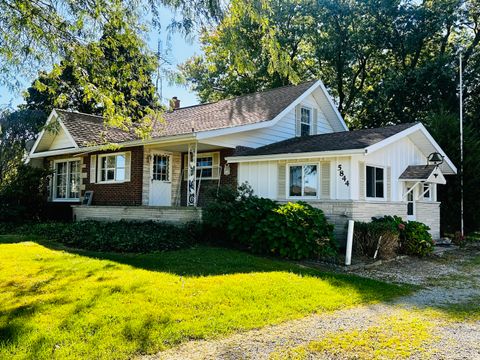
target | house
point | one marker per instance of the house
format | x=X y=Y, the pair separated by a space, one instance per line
x=289 y=144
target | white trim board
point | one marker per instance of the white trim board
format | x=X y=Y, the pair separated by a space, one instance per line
x=418 y=127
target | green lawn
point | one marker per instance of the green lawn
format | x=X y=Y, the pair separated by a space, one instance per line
x=60 y=303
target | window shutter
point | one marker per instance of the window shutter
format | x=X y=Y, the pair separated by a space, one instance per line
x=361 y=180
x=216 y=165
x=314 y=129
x=282 y=183
x=297 y=120
x=325 y=180
x=93 y=169
x=128 y=166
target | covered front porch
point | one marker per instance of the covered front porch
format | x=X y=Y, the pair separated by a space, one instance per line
x=184 y=175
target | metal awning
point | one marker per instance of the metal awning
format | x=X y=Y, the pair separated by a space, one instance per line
x=423 y=173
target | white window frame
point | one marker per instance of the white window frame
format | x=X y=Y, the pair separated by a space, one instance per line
x=170 y=166
x=384 y=183
x=430 y=187
x=54 y=180
x=100 y=157
x=310 y=124
x=203 y=155
x=287 y=182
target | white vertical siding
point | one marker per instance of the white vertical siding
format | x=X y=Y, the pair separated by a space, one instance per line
x=397 y=156
x=339 y=189
x=261 y=176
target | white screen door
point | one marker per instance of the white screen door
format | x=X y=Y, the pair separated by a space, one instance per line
x=161 y=180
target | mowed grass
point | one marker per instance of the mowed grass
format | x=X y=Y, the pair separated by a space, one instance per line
x=63 y=304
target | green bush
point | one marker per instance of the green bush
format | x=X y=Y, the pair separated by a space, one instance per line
x=122 y=236
x=381 y=235
x=414 y=236
x=263 y=226
x=295 y=231
x=23 y=197
x=416 y=240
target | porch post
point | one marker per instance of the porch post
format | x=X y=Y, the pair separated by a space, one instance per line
x=192 y=175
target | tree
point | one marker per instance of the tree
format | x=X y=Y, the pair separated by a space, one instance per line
x=16 y=130
x=35 y=33
x=111 y=77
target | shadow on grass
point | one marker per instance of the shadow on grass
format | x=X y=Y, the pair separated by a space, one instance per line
x=214 y=261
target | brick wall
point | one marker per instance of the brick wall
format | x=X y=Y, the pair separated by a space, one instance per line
x=208 y=187
x=127 y=193
x=428 y=212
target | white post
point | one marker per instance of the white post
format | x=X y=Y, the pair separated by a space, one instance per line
x=462 y=231
x=348 y=253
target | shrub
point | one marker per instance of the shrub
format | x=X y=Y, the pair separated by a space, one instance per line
x=122 y=236
x=383 y=235
x=22 y=198
x=397 y=236
x=263 y=226
x=295 y=231
x=416 y=240
x=233 y=217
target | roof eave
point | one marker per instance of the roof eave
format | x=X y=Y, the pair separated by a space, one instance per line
x=290 y=156
x=88 y=149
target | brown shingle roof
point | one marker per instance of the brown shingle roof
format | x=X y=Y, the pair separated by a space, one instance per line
x=344 y=140
x=417 y=172
x=89 y=129
x=242 y=110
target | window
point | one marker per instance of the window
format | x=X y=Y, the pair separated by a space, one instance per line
x=208 y=166
x=112 y=167
x=305 y=121
x=303 y=181
x=204 y=166
x=66 y=180
x=375 y=181
x=426 y=192
x=161 y=167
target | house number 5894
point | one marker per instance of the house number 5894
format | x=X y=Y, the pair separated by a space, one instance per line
x=342 y=175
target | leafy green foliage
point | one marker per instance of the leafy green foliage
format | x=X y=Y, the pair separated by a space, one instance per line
x=135 y=237
x=416 y=240
x=22 y=197
x=444 y=127
x=293 y=230
x=110 y=77
x=17 y=128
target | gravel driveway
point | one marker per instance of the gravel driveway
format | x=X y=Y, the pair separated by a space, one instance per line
x=453 y=278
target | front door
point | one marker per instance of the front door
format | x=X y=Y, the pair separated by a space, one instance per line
x=161 y=180
x=410 y=205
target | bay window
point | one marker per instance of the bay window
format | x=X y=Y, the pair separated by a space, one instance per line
x=66 y=180
x=303 y=180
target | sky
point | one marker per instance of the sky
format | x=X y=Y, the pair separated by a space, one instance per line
x=181 y=50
